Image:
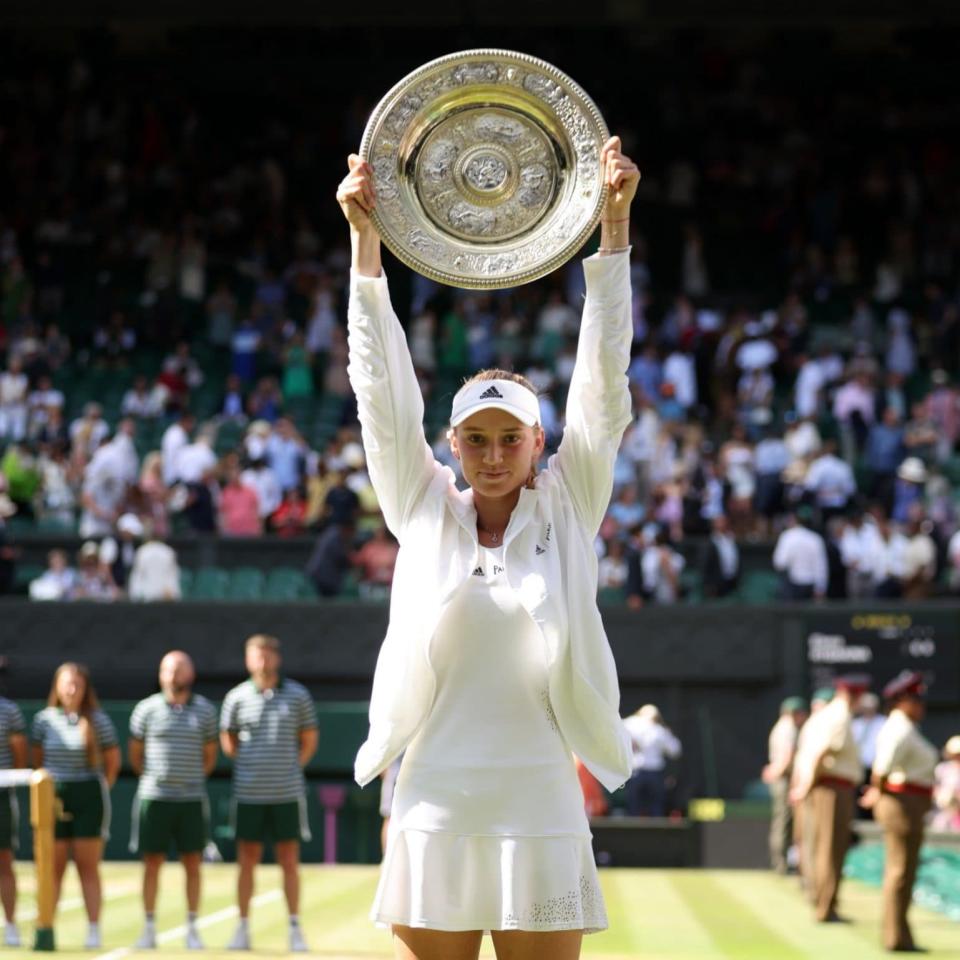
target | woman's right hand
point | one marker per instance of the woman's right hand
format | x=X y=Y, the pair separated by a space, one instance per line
x=356 y=195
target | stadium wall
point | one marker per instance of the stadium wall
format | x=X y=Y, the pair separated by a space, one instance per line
x=717 y=672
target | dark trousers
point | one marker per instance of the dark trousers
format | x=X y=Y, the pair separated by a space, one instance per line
x=796 y=591
x=647 y=794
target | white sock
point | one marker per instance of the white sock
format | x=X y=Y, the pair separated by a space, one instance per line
x=149 y=920
x=294 y=920
x=243 y=923
x=191 y=919
x=94 y=927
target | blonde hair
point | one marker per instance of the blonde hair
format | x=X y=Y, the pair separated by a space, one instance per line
x=497 y=374
x=88 y=704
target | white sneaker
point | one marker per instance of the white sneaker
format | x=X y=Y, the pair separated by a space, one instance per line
x=240 y=939
x=148 y=939
x=297 y=943
x=193 y=941
x=11 y=936
x=93 y=939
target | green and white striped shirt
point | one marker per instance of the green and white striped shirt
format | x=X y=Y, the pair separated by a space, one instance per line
x=268 y=723
x=11 y=723
x=64 y=749
x=173 y=738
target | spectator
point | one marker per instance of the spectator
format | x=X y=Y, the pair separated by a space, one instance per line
x=285 y=454
x=13 y=401
x=140 y=401
x=864 y=727
x=88 y=432
x=245 y=344
x=119 y=554
x=289 y=519
x=883 y=455
x=114 y=341
x=199 y=506
x=93 y=581
x=888 y=559
x=801 y=558
x=197 y=459
x=946 y=791
x=909 y=488
x=239 y=507
x=943 y=408
x=40 y=403
x=20 y=474
x=330 y=560
x=920 y=556
x=221 y=314
x=154 y=493
x=831 y=482
x=156 y=573
x=57 y=581
x=264 y=482
x=376 y=559
x=175 y=439
x=859 y=544
x=679 y=370
x=854 y=407
x=662 y=566
x=653 y=745
x=233 y=405
x=720 y=564
x=297 y=374
x=613 y=566
x=770 y=459
x=920 y=435
x=627 y=510
x=266 y=400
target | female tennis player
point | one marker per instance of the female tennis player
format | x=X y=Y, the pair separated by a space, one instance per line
x=77 y=742
x=495 y=667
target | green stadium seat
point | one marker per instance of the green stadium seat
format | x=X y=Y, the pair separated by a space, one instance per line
x=210 y=583
x=287 y=583
x=55 y=525
x=246 y=583
x=186 y=583
x=760 y=586
x=611 y=596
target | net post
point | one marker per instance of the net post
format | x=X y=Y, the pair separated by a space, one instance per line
x=41 y=819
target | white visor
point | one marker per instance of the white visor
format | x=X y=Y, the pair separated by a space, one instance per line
x=514 y=398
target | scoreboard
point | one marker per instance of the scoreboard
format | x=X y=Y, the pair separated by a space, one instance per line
x=881 y=643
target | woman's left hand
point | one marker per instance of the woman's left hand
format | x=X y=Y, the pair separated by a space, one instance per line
x=622 y=176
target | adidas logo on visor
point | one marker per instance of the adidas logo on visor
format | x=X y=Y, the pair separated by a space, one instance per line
x=490 y=393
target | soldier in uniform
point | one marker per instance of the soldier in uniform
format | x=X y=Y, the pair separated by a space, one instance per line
x=776 y=774
x=900 y=795
x=803 y=828
x=828 y=773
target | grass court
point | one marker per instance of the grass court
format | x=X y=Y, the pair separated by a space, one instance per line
x=654 y=915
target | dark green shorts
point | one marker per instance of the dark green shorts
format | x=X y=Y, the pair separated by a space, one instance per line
x=161 y=824
x=9 y=820
x=259 y=822
x=82 y=810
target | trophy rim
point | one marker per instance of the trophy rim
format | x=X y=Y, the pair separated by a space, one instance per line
x=529 y=274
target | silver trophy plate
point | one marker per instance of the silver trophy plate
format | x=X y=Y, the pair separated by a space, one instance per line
x=486 y=165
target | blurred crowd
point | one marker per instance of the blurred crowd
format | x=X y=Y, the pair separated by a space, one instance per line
x=796 y=358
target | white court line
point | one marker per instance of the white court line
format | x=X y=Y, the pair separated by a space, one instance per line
x=72 y=903
x=208 y=921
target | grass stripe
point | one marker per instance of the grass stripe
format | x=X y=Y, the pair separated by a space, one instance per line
x=636 y=923
x=738 y=932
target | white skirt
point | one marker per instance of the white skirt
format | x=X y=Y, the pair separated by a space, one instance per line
x=446 y=881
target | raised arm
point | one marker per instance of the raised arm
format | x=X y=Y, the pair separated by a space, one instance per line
x=381 y=372
x=598 y=402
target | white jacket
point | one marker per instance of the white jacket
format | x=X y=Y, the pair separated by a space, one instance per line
x=549 y=557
